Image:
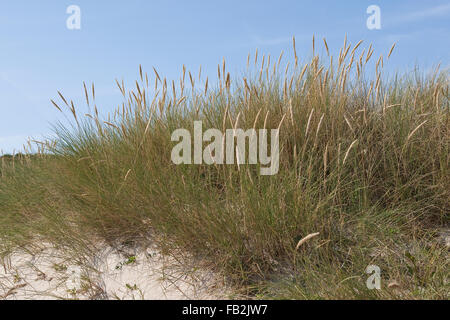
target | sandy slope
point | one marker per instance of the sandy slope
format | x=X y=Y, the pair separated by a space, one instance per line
x=145 y=274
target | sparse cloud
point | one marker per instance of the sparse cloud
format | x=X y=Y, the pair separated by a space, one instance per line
x=264 y=41
x=257 y=40
x=10 y=144
x=433 y=12
x=413 y=35
x=6 y=78
x=400 y=37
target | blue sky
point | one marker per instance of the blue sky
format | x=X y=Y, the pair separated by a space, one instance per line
x=40 y=55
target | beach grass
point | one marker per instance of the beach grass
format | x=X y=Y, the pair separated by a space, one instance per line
x=363 y=163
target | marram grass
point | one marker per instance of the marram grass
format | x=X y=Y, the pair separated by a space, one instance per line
x=363 y=178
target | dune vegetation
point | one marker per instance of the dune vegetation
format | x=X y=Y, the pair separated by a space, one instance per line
x=363 y=162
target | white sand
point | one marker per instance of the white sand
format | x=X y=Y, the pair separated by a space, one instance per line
x=143 y=275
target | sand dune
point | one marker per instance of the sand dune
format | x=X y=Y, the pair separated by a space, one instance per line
x=146 y=274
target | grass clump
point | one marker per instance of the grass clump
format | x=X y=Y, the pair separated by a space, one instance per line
x=363 y=162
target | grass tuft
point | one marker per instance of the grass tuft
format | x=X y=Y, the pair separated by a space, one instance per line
x=363 y=179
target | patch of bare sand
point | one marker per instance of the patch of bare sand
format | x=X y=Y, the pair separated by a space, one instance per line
x=142 y=274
